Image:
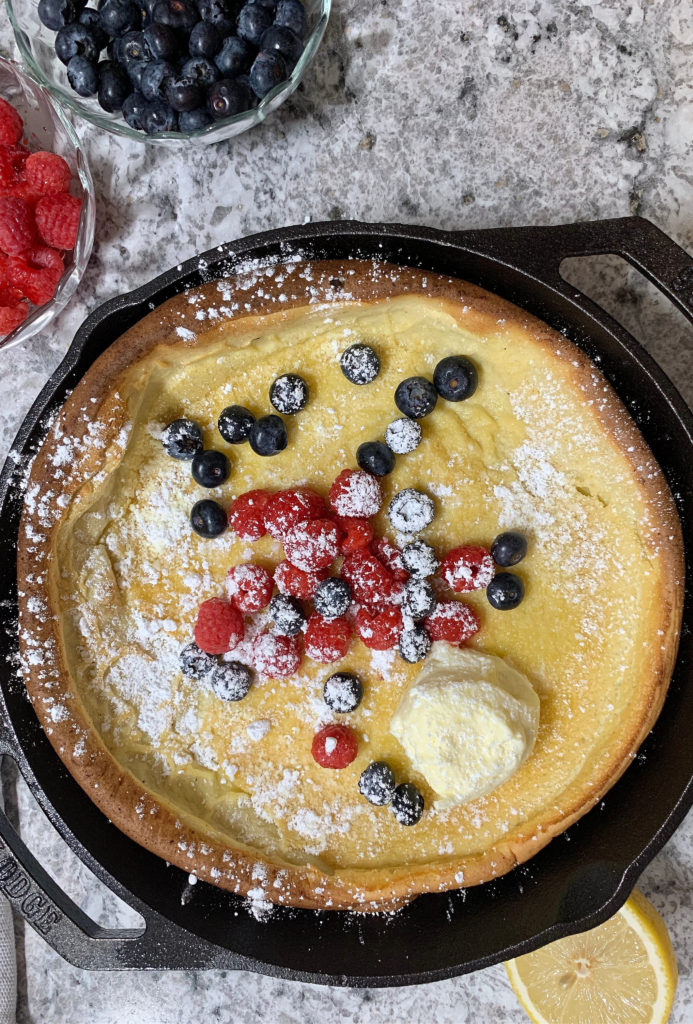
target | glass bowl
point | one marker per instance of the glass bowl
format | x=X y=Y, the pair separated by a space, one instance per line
x=36 y=42
x=47 y=127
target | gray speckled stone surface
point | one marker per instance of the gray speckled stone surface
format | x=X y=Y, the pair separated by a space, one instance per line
x=542 y=111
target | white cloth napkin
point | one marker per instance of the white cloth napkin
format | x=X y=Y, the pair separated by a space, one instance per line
x=8 y=962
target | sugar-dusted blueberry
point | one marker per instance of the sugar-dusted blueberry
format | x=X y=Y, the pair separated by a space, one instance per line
x=193 y=120
x=267 y=71
x=509 y=548
x=159 y=117
x=183 y=93
x=234 y=423
x=155 y=79
x=418 y=599
x=119 y=16
x=455 y=378
x=201 y=70
x=163 y=42
x=56 y=13
x=416 y=397
x=505 y=591
x=377 y=783
x=76 y=40
x=332 y=597
x=235 y=57
x=360 y=363
x=414 y=644
x=253 y=21
x=208 y=518
x=411 y=511
x=91 y=19
x=178 y=14
x=287 y=615
x=227 y=97
x=419 y=559
x=285 y=42
x=182 y=439
x=231 y=680
x=292 y=14
x=196 y=663
x=403 y=435
x=205 y=40
x=114 y=86
x=289 y=393
x=407 y=804
x=210 y=468
x=268 y=436
x=375 y=457
x=343 y=692
x=83 y=76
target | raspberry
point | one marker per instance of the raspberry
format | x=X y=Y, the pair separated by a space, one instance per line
x=246 y=514
x=355 y=494
x=57 y=220
x=295 y=582
x=391 y=557
x=219 y=626
x=327 y=640
x=312 y=545
x=370 y=581
x=379 y=630
x=11 y=124
x=288 y=508
x=334 y=746
x=467 y=568
x=16 y=225
x=353 y=534
x=7 y=173
x=36 y=273
x=12 y=316
x=249 y=587
x=276 y=656
x=48 y=174
x=452 y=621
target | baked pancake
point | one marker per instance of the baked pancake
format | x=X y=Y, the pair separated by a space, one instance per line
x=112 y=577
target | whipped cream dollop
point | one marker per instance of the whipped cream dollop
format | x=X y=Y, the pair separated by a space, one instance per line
x=467 y=723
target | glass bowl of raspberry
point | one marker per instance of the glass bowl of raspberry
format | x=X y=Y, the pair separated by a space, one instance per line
x=167 y=71
x=46 y=207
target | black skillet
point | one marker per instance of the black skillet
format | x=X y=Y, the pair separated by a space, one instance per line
x=582 y=877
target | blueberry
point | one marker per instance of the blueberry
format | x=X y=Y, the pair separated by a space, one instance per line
x=407 y=804
x=292 y=14
x=219 y=13
x=414 y=644
x=196 y=663
x=282 y=40
x=403 y=435
x=210 y=468
x=235 y=57
x=253 y=21
x=267 y=71
x=91 y=19
x=132 y=46
x=202 y=71
x=375 y=457
x=155 y=79
x=287 y=615
x=182 y=439
x=332 y=597
x=360 y=364
x=289 y=393
x=208 y=518
x=231 y=680
x=159 y=117
x=234 y=423
x=183 y=93
x=193 y=120
x=267 y=436
x=226 y=98
x=419 y=559
x=505 y=591
x=509 y=548
x=416 y=397
x=455 y=378
x=76 y=41
x=83 y=76
x=56 y=13
x=119 y=16
x=135 y=70
x=178 y=14
x=377 y=783
x=114 y=86
x=205 y=40
x=418 y=599
x=133 y=111
x=411 y=511
x=163 y=42
x=343 y=692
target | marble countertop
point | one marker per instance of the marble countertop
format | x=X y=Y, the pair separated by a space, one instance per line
x=450 y=115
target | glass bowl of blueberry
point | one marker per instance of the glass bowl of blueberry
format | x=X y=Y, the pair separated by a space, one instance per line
x=167 y=70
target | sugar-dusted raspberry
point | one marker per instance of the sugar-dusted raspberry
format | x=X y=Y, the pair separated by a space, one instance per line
x=288 y=508
x=379 y=630
x=356 y=494
x=467 y=568
x=453 y=621
x=295 y=582
x=391 y=557
x=57 y=220
x=17 y=228
x=334 y=746
x=219 y=626
x=275 y=655
x=327 y=640
x=37 y=273
x=11 y=124
x=312 y=545
x=12 y=316
x=47 y=173
x=246 y=515
x=249 y=587
x=370 y=581
x=354 y=534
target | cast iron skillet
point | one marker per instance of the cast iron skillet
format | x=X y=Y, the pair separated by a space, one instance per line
x=582 y=877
